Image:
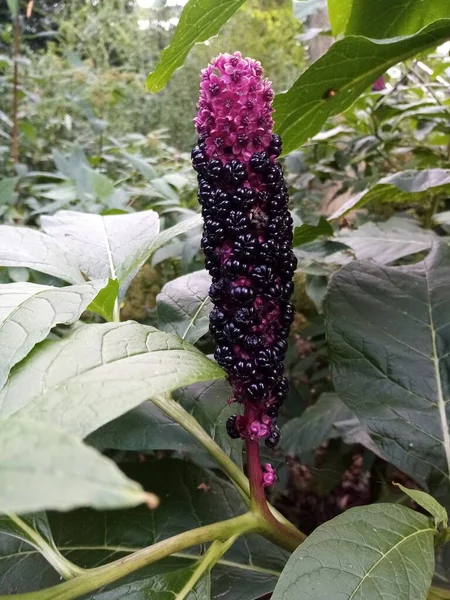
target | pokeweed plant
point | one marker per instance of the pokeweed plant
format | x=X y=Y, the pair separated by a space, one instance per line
x=58 y=391
x=111 y=383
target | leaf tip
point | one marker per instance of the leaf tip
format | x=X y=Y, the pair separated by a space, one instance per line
x=151 y=500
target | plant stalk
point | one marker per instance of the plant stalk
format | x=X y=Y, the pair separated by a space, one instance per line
x=95 y=578
x=64 y=567
x=15 y=102
x=212 y=555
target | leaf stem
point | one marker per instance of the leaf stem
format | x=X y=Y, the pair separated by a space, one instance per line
x=176 y=412
x=211 y=557
x=93 y=579
x=63 y=566
x=116 y=311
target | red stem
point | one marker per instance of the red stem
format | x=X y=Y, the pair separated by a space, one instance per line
x=255 y=475
x=286 y=536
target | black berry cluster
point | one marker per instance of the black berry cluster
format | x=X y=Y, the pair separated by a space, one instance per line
x=247 y=242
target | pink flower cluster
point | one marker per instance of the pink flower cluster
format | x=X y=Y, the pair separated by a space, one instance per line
x=269 y=475
x=235 y=108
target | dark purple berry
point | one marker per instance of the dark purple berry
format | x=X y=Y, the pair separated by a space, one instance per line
x=256 y=391
x=224 y=356
x=232 y=428
x=217 y=316
x=243 y=294
x=254 y=341
x=237 y=221
x=235 y=172
x=214 y=170
x=260 y=162
x=244 y=316
x=232 y=333
x=274 y=438
x=236 y=267
x=245 y=246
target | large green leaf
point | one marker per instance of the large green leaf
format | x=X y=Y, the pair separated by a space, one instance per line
x=389 y=332
x=358 y=61
x=384 y=18
x=23 y=247
x=368 y=553
x=28 y=312
x=147 y=428
x=200 y=20
x=100 y=372
x=184 y=306
x=308 y=233
x=57 y=471
x=314 y=426
x=190 y=497
x=386 y=242
x=104 y=246
x=406 y=186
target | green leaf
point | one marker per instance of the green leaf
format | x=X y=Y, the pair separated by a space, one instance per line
x=34 y=529
x=29 y=311
x=184 y=306
x=305 y=8
x=7 y=190
x=104 y=301
x=57 y=472
x=28 y=130
x=339 y=12
x=104 y=246
x=403 y=187
x=308 y=233
x=182 y=227
x=36 y=521
x=372 y=552
x=359 y=61
x=146 y=428
x=23 y=247
x=428 y=503
x=13 y=6
x=386 y=242
x=141 y=165
x=316 y=287
x=385 y=18
x=80 y=390
x=388 y=334
x=323 y=257
x=191 y=497
x=102 y=187
x=315 y=426
x=200 y=20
